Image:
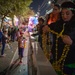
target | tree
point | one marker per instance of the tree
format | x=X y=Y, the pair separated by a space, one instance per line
x=13 y=7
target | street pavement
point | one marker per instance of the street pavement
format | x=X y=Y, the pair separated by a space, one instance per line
x=9 y=65
x=5 y=61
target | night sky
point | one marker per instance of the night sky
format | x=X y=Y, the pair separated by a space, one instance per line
x=39 y=4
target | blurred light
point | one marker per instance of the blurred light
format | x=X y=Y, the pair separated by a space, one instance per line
x=49 y=2
x=47 y=12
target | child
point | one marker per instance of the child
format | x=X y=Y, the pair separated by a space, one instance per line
x=21 y=44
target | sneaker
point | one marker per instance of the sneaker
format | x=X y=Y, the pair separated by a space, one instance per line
x=3 y=55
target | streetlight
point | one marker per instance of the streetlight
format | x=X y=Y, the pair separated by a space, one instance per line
x=49 y=2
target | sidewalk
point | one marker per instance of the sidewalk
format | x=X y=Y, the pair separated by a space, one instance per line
x=5 y=61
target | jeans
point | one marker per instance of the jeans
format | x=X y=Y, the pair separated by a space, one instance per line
x=3 y=47
x=40 y=40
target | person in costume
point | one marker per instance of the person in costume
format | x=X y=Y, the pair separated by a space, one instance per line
x=63 y=49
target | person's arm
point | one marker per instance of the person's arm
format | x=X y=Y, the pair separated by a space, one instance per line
x=69 y=38
x=47 y=28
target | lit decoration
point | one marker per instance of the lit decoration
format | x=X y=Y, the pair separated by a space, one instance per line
x=33 y=21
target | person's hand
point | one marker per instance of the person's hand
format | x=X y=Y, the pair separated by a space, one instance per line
x=45 y=29
x=67 y=40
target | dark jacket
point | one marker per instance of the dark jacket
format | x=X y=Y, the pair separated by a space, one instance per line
x=4 y=38
x=69 y=29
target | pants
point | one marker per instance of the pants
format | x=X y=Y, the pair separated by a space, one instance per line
x=21 y=50
x=3 y=47
x=40 y=40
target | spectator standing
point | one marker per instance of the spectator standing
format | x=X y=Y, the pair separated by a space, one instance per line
x=21 y=45
x=39 y=26
x=48 y=37
x=4 y=40
x=0 y=35
x=63 y=49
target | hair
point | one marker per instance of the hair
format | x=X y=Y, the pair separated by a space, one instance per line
x=57 y=5
x=70 y=5
x=41 y=19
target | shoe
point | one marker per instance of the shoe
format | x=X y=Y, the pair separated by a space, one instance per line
x=20 y=62
x=3 y=55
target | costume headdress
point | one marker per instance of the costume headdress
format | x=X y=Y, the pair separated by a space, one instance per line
x=68 y=5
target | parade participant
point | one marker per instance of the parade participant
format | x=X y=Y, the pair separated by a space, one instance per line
x=21 y=45
x=63 y=49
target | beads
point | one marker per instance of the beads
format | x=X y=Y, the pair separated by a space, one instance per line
x=58 y=64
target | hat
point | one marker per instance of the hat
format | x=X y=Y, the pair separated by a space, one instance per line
x=68 y=4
